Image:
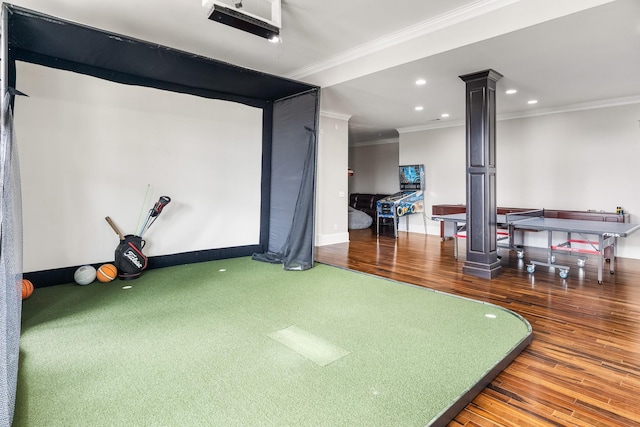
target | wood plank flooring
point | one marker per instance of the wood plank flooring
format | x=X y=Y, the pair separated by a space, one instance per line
x=583 y=366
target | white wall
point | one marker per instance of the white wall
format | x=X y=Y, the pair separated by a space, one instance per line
x=375 y=168
x=331 y=218
x=89 y=148
x=581 y=160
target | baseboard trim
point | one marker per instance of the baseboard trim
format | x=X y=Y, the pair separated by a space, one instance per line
x=331 y=239
x=59 y=276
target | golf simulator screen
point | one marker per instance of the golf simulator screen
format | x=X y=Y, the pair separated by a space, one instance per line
x=107 y=149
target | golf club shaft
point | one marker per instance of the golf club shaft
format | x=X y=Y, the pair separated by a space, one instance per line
x=144 y=224
x=154 y=213
x=115 y=227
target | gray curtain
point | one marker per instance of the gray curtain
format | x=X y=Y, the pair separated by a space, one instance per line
x=293 y=169
x=10 y=266
x=298 y=249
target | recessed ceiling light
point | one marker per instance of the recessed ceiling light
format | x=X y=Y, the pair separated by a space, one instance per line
x=421 y=82
x=419 y=108
x=444 y=115
x=533 y=101
x=511 y=91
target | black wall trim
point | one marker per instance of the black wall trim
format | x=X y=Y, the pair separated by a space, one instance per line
x=64 y=275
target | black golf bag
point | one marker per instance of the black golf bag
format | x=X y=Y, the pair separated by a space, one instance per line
x=129 y=259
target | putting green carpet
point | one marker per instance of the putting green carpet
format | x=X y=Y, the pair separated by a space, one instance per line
x=243 y=343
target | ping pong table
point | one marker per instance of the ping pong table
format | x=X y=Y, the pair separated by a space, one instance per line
x=511 y=229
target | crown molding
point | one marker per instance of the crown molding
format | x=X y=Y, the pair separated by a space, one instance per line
x=334 y=115
x=592 y=105
x=606 y=103
x=455 y=16
x=377 y=142
x=434 y=125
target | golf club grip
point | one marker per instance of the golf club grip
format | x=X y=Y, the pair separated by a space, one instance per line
x=115 y=227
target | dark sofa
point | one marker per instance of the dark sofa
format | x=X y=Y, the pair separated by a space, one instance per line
x=366 y=203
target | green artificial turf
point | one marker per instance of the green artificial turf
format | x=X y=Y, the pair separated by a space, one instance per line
x=239 y=342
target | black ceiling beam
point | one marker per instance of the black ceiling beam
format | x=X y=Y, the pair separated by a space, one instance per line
x=54 y=42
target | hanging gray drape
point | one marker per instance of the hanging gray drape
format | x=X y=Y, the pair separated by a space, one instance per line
x=293 y=168
x=10 y=266
x=298 y=249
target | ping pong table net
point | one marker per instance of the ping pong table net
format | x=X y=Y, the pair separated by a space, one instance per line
x=523 y=216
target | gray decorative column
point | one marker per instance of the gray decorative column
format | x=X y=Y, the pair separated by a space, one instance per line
x=482 y=250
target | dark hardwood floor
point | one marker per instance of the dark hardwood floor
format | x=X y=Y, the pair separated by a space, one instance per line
x=583 y=366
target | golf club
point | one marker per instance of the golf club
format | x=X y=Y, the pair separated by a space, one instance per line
x=154 y=212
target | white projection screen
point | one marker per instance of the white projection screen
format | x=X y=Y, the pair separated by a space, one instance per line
x=91 y=148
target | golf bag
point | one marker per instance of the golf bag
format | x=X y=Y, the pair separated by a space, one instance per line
x=129 y=259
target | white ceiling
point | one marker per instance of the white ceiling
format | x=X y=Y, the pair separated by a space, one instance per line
x=367 y=54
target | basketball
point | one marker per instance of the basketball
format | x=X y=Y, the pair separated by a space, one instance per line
x=84 y=275
x=106 y=273
x=27 y=288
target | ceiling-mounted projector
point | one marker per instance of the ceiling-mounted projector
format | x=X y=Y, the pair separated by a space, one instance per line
x=244 y=22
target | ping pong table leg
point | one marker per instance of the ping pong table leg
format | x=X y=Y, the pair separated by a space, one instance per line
x=516 y=240
x=614 y=253
x=516 y=236
x=611 y=241
x=601 y=257
x=600 y=263
x=455 y=240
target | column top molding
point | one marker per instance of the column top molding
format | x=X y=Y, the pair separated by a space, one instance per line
x=482 y=75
